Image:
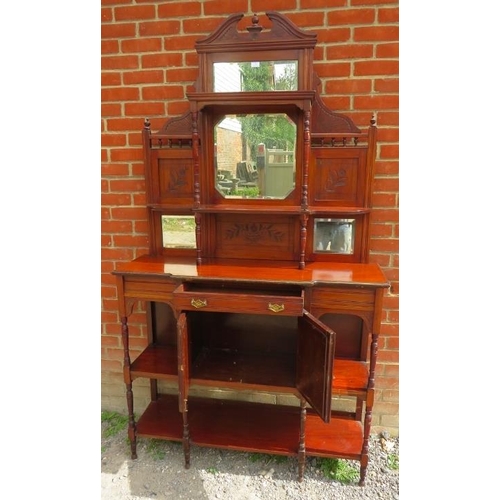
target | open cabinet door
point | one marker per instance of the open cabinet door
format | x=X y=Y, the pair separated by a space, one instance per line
x=315 y=351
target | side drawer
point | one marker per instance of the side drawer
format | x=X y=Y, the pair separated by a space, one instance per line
x=344 y=298
x=153 y=288
x=191 y=297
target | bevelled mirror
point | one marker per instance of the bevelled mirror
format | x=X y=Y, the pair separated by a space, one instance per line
x=334 y=236
x=255 y=155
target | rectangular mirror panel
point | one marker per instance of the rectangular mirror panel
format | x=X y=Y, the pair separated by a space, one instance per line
x=334 y=236
x=259 y=76
x=178 y=231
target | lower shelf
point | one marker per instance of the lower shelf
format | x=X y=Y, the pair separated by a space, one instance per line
x=250 y=427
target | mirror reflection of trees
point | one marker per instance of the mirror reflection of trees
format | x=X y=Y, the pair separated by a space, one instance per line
x=268 y=75
x=255 y=155
x=259 y=76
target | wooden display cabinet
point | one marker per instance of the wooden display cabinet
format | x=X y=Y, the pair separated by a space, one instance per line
x=257 y=277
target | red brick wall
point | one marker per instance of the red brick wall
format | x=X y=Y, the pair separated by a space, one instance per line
x=148 y=64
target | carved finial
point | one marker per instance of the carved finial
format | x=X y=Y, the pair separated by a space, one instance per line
x=147 y=124
x=256 y=28
x=373 y=121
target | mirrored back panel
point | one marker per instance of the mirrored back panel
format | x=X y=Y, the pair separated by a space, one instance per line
x=255 y=156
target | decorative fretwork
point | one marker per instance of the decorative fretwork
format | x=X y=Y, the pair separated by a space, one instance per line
x=165 y=142
x=337 y=141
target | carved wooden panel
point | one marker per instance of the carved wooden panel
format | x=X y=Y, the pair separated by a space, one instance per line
x=339 y=176
x=175 y=178
x=173 y=174
x=256 y=236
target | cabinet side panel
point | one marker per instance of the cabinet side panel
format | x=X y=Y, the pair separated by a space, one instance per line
x=349 y=330
x=163 y=324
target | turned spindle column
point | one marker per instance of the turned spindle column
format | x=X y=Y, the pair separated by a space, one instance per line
x=128 y=383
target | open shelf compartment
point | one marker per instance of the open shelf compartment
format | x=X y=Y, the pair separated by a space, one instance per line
x=252 y=427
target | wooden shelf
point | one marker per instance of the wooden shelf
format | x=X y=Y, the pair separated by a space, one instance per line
x=250 y=427
x=349 y=376
x=157 y=362
x=236 y=369
x=341 y=438
x=225 y=368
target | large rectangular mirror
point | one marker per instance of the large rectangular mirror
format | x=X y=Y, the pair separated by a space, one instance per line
x=258 y=76
x=254 y=155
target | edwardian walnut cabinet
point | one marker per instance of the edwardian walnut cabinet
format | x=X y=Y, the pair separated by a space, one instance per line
x=257 y=278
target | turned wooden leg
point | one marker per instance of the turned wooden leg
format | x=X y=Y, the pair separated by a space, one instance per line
x=132 y=435
x=185 y=437
x=364 y=451
x=302 y=439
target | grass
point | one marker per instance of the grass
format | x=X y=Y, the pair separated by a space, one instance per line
x=115 y=422
x=178 y=223
x=156 y=448
x=393 y=461
x=267 y=458
x=337 y=469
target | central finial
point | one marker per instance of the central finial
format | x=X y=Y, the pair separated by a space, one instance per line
x=255 y=28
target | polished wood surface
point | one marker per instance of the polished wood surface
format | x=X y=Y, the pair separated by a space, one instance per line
x=156 y=361
x=284 y=272
x=189 y=297
x=253 y=427
x=243 y=370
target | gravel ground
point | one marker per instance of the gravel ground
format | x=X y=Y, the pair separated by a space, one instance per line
x=158 y=473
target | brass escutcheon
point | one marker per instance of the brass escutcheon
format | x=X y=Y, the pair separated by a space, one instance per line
x=199 y=303
x=276 y=308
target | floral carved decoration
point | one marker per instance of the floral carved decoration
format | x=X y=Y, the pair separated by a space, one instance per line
x=177 y=179
x=254 y=232
x=336 y=179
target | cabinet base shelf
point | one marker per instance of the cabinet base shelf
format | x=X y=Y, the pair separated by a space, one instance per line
x=251 y=427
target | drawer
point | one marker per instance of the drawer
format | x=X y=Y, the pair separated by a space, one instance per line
x=148 y=288
x=345 y=298
x=193 y=297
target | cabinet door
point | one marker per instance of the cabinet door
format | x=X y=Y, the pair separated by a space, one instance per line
x=315 y=351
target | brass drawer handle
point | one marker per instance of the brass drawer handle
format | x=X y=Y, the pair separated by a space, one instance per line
x=276 y=308
x=199 y=303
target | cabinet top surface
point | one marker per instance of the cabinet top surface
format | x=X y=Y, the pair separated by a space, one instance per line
x=255 y=271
